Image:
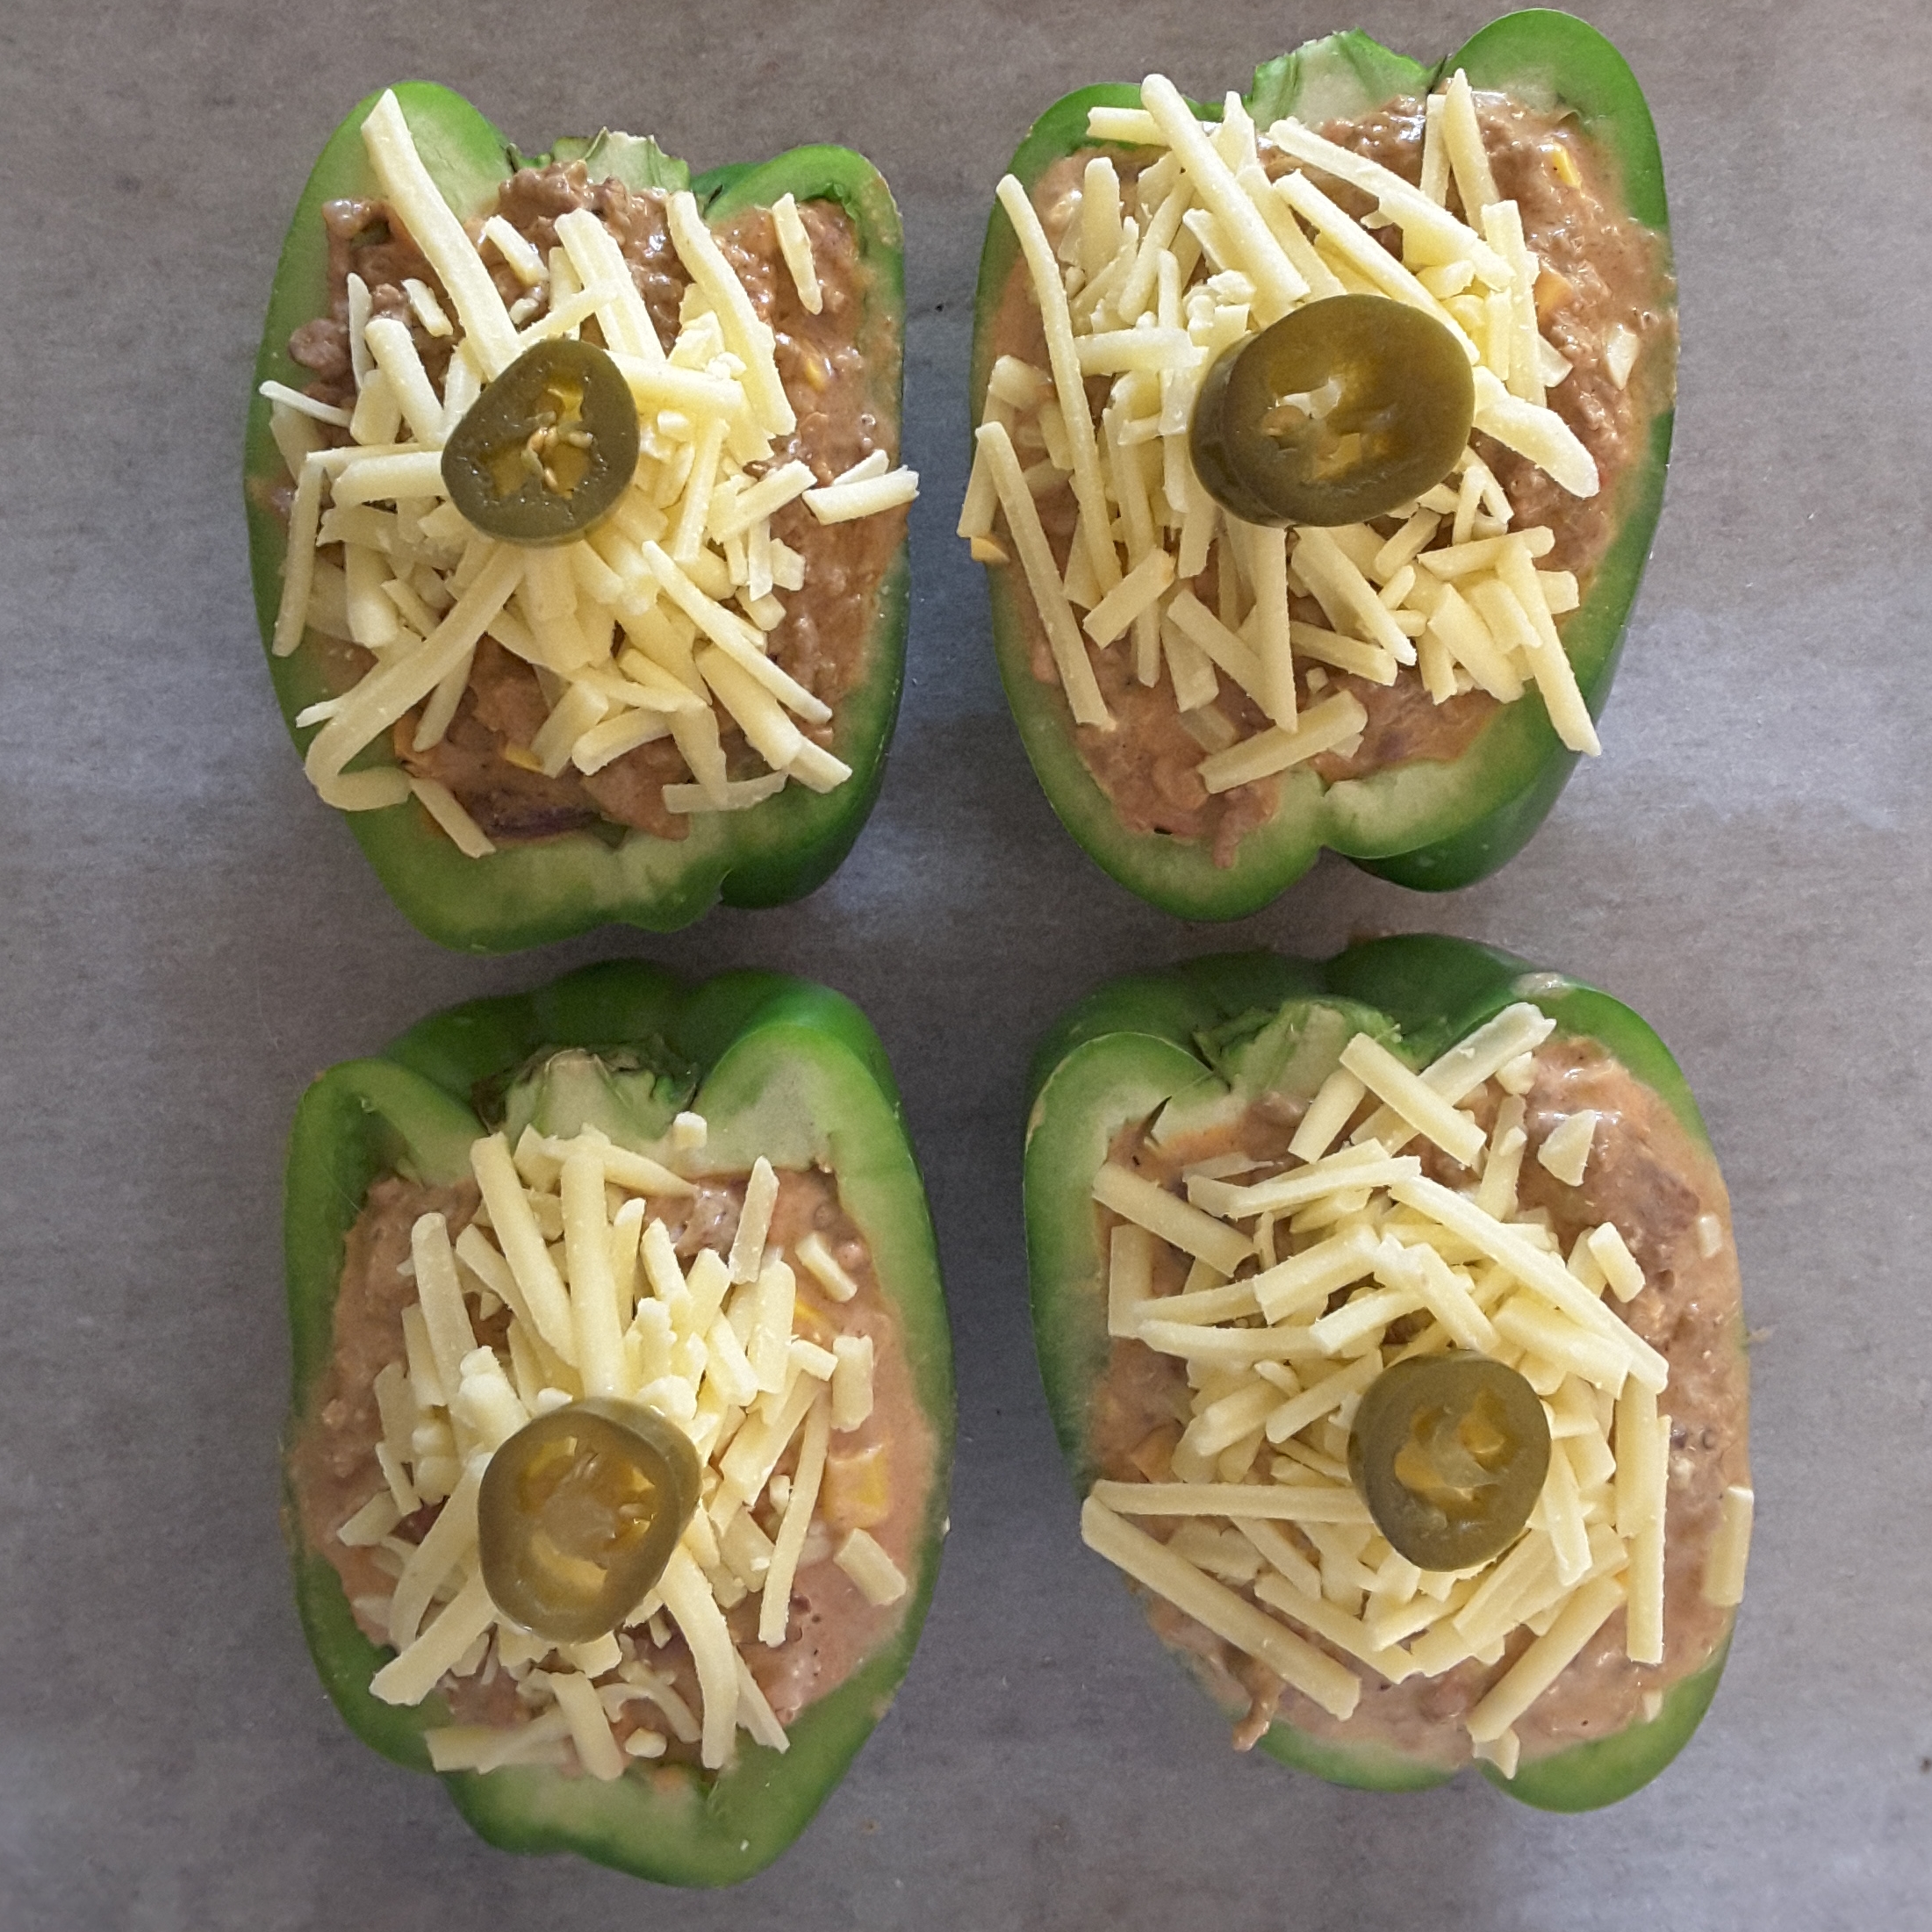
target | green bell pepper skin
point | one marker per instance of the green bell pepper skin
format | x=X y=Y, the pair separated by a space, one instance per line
x=1134 y=1044
x=529 y=894
x=779 y=1066
x=1431 y=825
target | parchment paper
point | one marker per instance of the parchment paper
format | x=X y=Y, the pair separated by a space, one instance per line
x=186 y=936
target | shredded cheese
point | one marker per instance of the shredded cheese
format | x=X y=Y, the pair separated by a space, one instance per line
x=1292 y=1658
x=880 y=1581
x=1288 y=1314
x=1143 y=280
x=796 y=246
x=1565 y=1151
x=570 y=1242
x=1724 y=1571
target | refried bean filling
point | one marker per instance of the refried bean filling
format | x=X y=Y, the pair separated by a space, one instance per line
x=826 y=362
x=876 y=1476
x=1664 y=1194
x=1600 y=271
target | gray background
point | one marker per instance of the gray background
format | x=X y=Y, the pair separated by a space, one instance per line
x=187 y=936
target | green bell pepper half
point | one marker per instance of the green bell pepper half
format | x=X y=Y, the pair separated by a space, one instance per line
x=1432 y=824
x=777 y=1066
x=1240 y=1022
x=529 y=894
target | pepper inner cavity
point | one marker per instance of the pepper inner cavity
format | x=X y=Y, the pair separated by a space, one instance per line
x=586 y=1506
x=556 y=451
x=1453 y=1456
x=1303 y=421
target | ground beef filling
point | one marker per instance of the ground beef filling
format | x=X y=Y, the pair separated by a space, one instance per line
x=837 y=368
x=1599 y=268
x=1649 y=1177
x=878 y=1476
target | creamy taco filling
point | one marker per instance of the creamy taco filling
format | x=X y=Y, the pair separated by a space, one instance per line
x=1524 y=1199
x=690 y=653
x=744 y=1310
x=1202 y=656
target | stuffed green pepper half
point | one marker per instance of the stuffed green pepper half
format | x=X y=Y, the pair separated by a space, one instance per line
x=577 y=519
x=623 y=1417
x=1320 y=439
x=1389 y=1318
